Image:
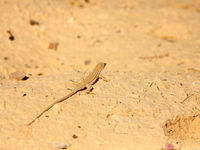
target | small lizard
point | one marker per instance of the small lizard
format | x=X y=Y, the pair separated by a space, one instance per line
x=85 y=84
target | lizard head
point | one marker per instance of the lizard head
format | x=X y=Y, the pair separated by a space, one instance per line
x=102 y=64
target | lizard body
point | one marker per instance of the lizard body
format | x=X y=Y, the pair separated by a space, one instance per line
x=85 y=84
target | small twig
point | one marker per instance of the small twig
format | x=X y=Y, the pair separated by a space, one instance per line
x=188 y=96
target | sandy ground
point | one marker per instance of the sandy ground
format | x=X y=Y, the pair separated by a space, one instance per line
x=152 y=51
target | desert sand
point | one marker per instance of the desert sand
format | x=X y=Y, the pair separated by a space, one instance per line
x=151 y=100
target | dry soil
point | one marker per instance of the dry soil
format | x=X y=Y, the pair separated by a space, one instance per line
x=151 y=100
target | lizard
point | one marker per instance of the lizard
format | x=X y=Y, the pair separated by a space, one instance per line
x=86 y=84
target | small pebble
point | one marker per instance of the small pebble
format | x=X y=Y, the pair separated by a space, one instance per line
x=87 y=62
x=60 y=145
x=11 y=37
x=18 y=75
x=74 y=136
x=34 y=22
x=53 y=45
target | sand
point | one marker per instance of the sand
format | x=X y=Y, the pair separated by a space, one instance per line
x=151 y=100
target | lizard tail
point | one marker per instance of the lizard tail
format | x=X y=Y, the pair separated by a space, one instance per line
x=50 y=106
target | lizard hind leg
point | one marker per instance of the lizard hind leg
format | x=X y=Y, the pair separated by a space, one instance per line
x=89 y=89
